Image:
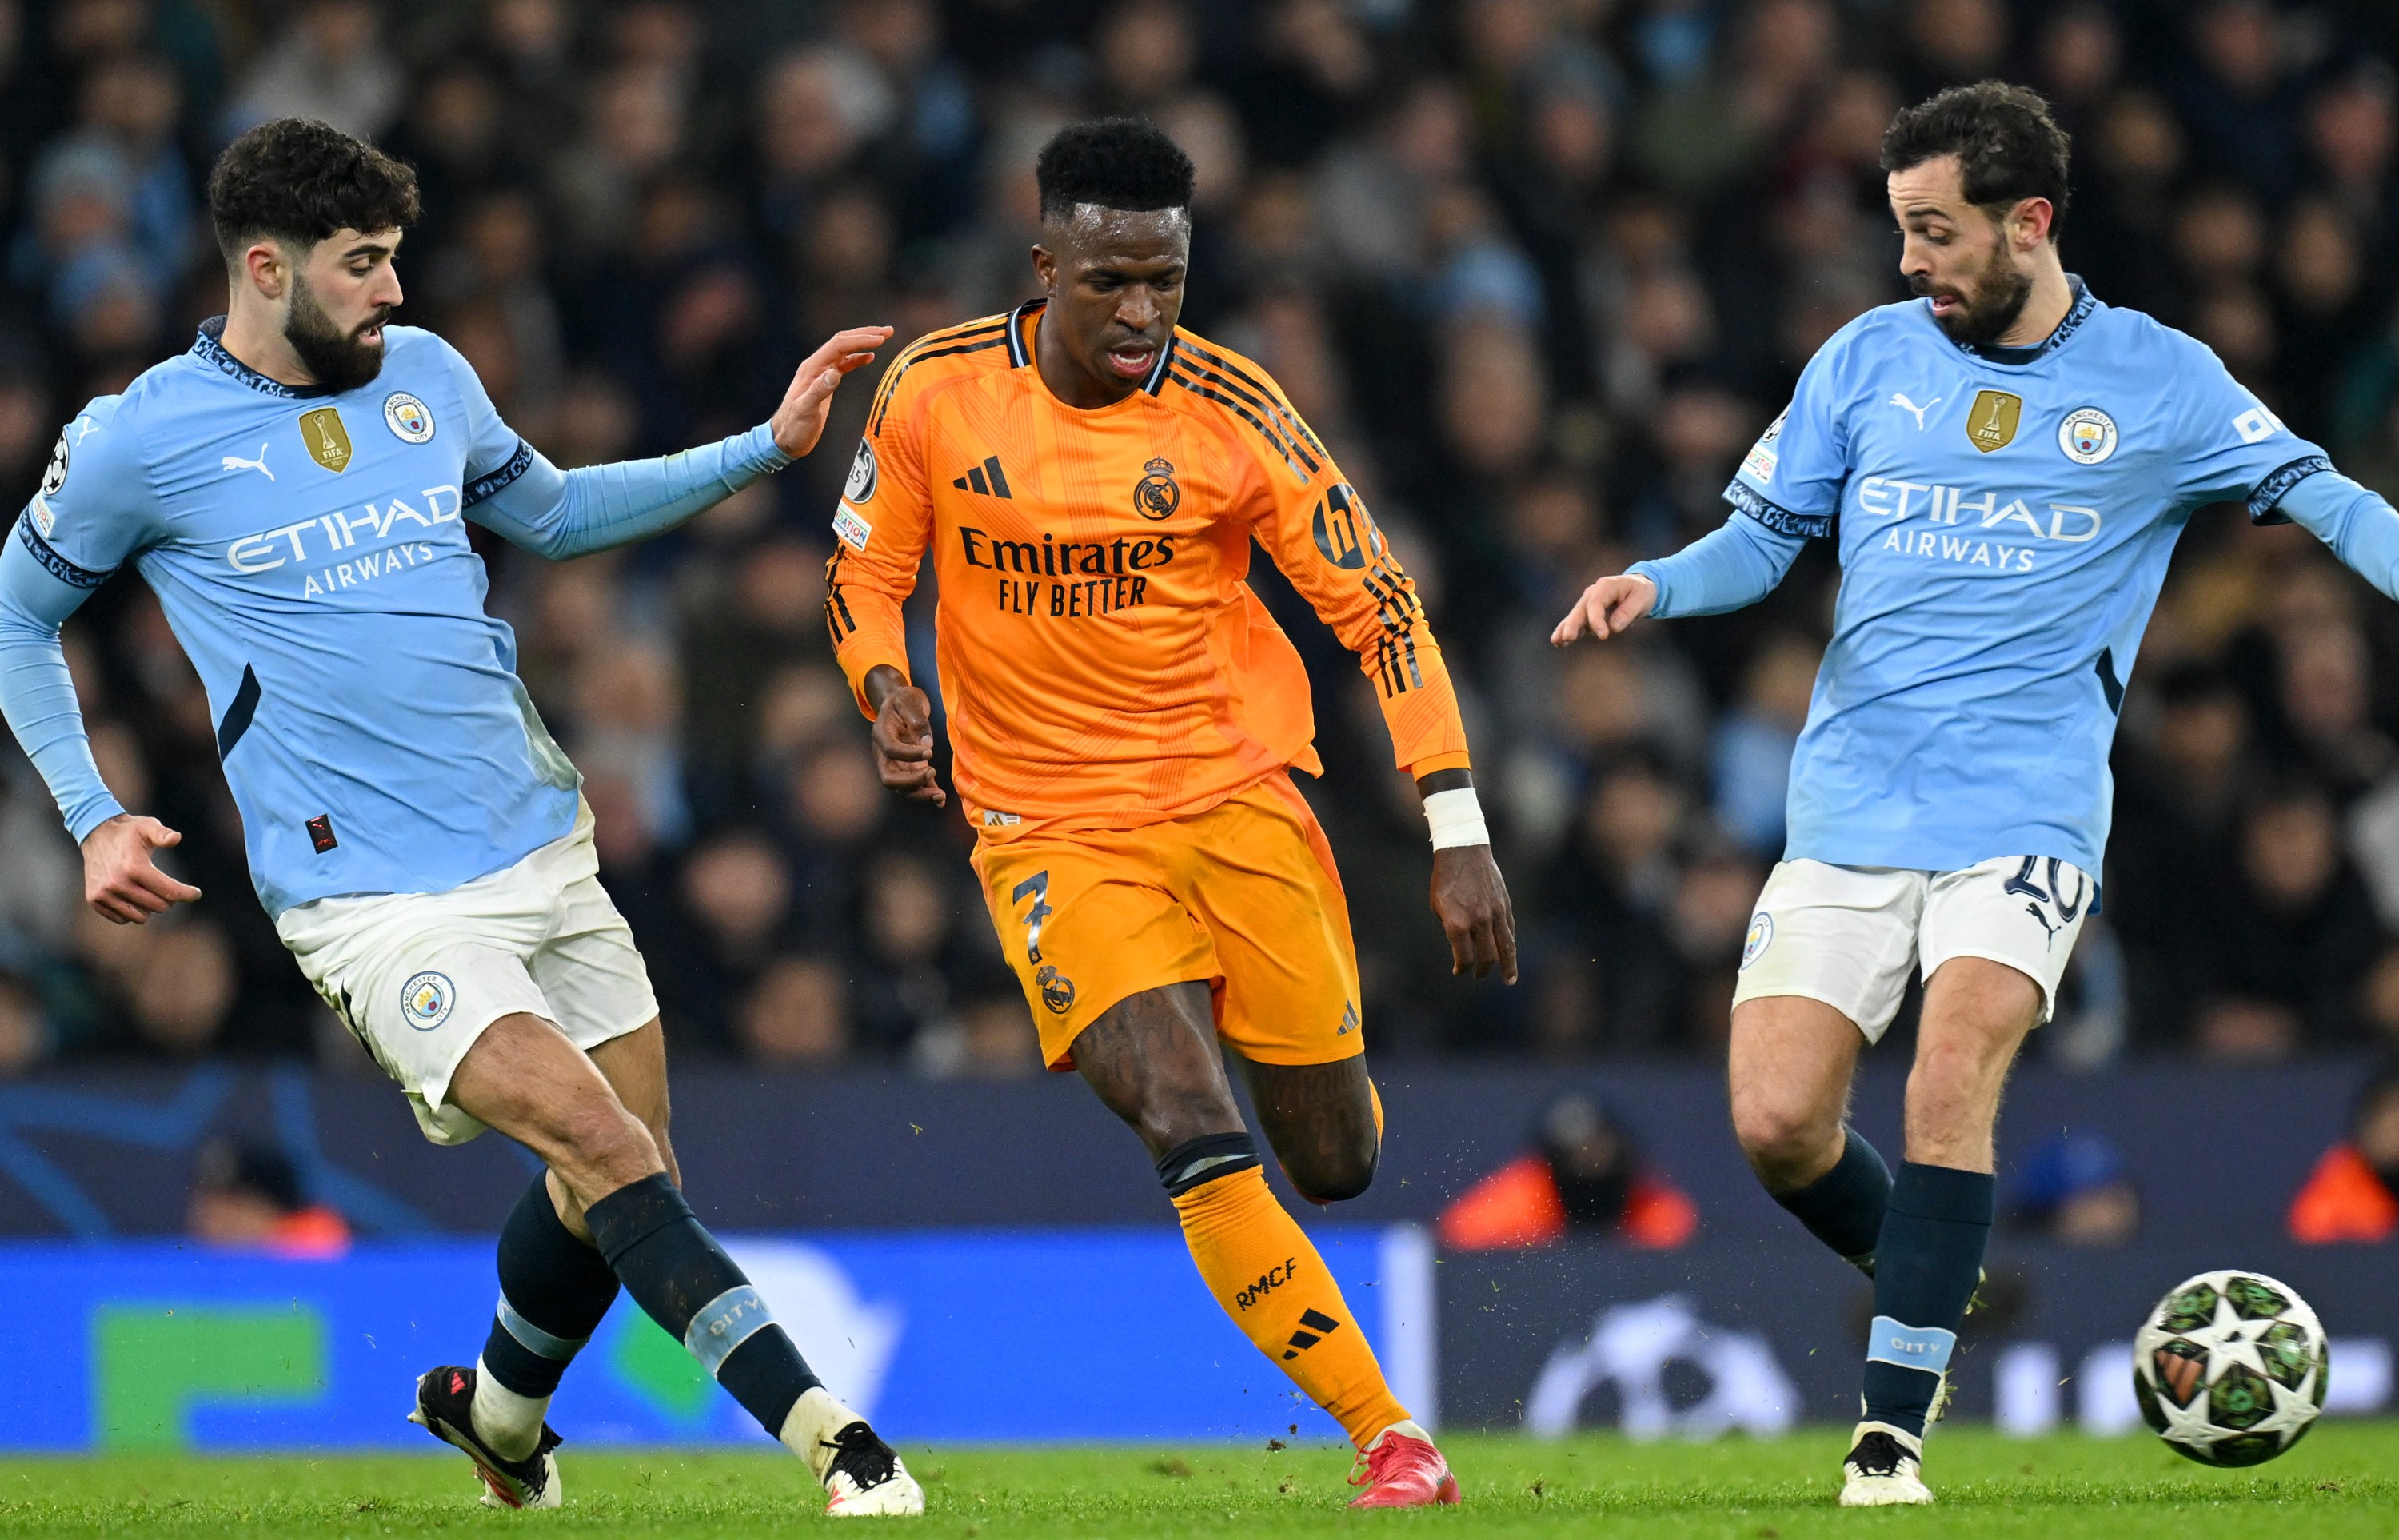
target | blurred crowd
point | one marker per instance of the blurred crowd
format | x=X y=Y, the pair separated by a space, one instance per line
x=1537 y=271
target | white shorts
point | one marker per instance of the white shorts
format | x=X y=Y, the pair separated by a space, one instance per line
x=416 y=976
x=1848 y=935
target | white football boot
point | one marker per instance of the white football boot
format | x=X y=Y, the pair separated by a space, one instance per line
x=1885 y=1469
x=863 y=1476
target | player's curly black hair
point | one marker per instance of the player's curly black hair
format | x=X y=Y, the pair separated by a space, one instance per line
x=1113 y=163
x=298 y=180
x=2002 y=135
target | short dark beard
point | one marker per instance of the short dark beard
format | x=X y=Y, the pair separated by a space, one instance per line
x=336 y=360
x=1985 y=315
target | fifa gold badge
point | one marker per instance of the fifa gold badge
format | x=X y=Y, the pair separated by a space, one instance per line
x=1992 y=422
x=329 y=441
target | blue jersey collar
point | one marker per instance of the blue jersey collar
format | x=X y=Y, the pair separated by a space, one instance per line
x=209 y=348
x=2076 y=314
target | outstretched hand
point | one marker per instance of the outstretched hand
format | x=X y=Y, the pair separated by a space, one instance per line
x=800 y=421
x=121 y=877
x=1606 y=609
x=904 y=737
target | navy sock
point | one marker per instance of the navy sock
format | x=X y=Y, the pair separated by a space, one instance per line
x=674 y=1270
x=1204 y=1160
x=553 y=1291
x=1844 y=1207
x=1926 y=1265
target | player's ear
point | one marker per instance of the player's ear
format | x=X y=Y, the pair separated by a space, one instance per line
x=1045 y=267
x=2031 y=220
x=263 y=263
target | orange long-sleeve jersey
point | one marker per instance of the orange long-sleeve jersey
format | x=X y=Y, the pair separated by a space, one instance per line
x=1104 y=663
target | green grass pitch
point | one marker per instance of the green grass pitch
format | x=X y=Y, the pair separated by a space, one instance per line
x=2342 y=1482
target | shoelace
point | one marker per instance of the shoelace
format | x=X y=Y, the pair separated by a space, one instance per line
x=1876 y=1454
x=1369 y=1466
x=861 y=1456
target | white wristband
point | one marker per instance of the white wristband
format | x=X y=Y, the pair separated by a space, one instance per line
x=1456 y=819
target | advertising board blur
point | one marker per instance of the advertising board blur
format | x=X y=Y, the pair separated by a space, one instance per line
x=944 y=1336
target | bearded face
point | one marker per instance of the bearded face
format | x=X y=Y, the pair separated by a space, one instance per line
x=340 y=358
x=1982 y=306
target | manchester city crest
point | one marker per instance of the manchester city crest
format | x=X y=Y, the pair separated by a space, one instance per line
x=407 y=417
x=426 y=1000
x=1760 y=936
x=1156 y=495
x=2087 y=436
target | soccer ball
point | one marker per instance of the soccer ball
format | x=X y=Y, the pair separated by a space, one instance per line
x=2230 y=1367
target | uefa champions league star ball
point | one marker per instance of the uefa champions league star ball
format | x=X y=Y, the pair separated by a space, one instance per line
x=2230 y=1367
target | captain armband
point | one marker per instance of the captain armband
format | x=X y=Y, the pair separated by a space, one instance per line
x=1455 y=817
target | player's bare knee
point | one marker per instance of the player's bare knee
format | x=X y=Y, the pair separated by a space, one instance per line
x=604 y=1147
x=1337 y=1177
x=1952 y=1079
x=1789 y=1145
x=1177 y=1116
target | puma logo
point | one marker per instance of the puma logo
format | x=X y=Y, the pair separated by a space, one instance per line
x=2034 y=910
x=1900 y=400
x=235 y=462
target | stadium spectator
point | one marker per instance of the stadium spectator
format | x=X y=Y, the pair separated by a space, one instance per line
x=912 y=953
x=1537 y=273
x=329 y=64
x=987 y=1038
x=2289 y=939
x=737 y=898
x=180 y=989
x=1583 y=1176
x=2352 y=1194
x=2075 y=1189
x=797 y=1015
x=248 y=1196
x=1753 y=743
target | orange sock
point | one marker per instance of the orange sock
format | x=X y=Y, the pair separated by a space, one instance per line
x=1268 y=1277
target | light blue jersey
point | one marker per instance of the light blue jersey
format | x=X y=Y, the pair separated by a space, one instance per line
x=2004 y=520
x=309 y=548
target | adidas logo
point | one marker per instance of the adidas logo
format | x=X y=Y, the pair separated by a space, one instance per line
x=1318 y=1327
x=987 y=478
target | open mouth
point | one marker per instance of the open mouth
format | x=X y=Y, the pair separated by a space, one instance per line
x=1132 y=360
x=1947 y=304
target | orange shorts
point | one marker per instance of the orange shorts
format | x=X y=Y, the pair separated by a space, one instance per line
x=1243 y=897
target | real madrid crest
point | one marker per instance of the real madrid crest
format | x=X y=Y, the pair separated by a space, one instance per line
x=1157 y=495
x=2087 y=436
x=407 y=417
